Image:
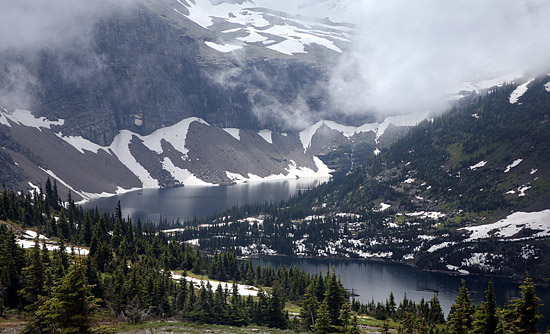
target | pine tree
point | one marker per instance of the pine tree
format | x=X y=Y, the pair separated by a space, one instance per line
x=308 y=311
x=34 y=279
x=526 y=309
x=486 y=316
x=435 y=315
x=335 y=296
x=353 y=327
x=323 y=323
x=460 y=317
x=345 y=314
x=70 y=308
x=276 y=305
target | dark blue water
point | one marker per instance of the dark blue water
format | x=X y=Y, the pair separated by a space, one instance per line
x=376 y=279
x=190 y=201
x=369 y=279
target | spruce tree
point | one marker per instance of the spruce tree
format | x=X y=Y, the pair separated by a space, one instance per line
x=70 y=308
x=308 y=311
x=34 y=279
x=486 y=316
x=323 y=323
x=526 y=308
x=460 y=317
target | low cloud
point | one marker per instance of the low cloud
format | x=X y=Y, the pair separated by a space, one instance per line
x=62 y=27
x=410 y=56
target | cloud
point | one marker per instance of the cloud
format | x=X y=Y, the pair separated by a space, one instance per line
x=63 y=29
x=410 y=56
x=31 y=24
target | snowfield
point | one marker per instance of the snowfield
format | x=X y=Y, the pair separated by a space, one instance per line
x=27 y=241
x=478 y=165
x=515 y=163
x=519 y=91
x=538 y=224
x=259 y=22
x=244 y=290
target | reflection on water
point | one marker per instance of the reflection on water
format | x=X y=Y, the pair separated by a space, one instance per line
x=376 y=279
x=199 y=201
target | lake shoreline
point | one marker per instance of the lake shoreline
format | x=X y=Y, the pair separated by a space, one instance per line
x=517 y=280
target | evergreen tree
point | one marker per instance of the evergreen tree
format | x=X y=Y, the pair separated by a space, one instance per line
x=277 y=316
x=70 y=308
x=345 y=315
x=308 y=310
x=525 y=309
x=34 y=279
x=461 y=314
x=486 y=316
x=323 y=323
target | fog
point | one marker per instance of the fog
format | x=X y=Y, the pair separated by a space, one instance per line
x=411 y=56
x=31 y=24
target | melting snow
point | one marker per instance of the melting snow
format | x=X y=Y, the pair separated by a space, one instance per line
x=533 y=171
x=522 y=190
x=293 y=171
x=431 y=215
x=512 y=165
x=384 y=206
x=440 y=246
x=26 y=118
x=235 y=133
x=244 y=290
x=409 y=180
x=513 y=224
x=80 y=143
x=478 y=165
x=519 y=91
x=267 y=135
x=183 y=175
x=223 y=48
x=376 y=151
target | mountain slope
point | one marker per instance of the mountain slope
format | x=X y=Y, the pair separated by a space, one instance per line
x=467 y=191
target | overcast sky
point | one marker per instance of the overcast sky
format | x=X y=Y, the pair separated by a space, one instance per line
x=409 y=56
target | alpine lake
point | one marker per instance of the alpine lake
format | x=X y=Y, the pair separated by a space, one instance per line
x=366 y=280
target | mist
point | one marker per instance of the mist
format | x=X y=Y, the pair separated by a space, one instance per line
x=411 y=56
x=28 y=28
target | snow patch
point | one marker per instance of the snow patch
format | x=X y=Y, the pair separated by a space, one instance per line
x=183 y=175
x=440 y=246
x=383 y=207
x=267 y=135
x=121 y=148
x=244 y=290
x=512 y=165
x=478 y=165
x=512 y=225
x=235 y=133
x=547 y=87
x=522 y=190
x=80 y=143
x=225 y=48
x=26 y=118
x=519 y=91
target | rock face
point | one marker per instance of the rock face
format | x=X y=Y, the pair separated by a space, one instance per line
x=145 y=98
x=148 y=67
x=190 y=152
